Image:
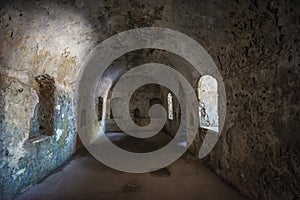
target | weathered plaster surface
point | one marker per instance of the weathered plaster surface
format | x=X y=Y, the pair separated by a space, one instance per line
x=37 y=38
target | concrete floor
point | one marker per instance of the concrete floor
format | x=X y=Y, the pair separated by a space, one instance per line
x=85 y=178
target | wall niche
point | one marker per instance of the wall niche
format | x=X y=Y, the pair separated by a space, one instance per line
x=42 y=124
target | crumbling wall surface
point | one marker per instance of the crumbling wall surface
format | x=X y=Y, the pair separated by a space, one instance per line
x=255 y=45
x=42 y=47
x=25 y=159
x=49 y=38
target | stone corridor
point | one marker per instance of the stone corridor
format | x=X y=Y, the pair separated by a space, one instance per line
x=229 y=85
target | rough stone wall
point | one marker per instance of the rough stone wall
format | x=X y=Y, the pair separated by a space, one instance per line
x=37 y=38
x=140 y=103
x=256 y=47
x=255 y=44
x=23 y=161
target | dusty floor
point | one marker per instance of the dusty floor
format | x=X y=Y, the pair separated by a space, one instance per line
x=85 y=178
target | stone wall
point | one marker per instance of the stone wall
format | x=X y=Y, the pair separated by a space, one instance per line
x=255 y=45
x=138 y=107
x=140 y=103
x=26 y=157
x=42 y=47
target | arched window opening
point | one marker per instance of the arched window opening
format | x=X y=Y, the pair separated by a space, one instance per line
x=208 y=103
x=100 y=108
x=170 y=106
x=136 y=113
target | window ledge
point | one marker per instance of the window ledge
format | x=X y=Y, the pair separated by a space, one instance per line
x=38 y=138
x=214 y=129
